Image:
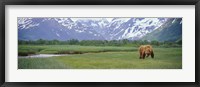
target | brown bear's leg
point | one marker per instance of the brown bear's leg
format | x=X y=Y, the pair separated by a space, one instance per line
x=152 y=54
x=143 y=55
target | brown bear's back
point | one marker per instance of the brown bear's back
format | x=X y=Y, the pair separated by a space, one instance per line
x=144 y=47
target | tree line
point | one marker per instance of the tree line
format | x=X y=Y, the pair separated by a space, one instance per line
x=124 y=42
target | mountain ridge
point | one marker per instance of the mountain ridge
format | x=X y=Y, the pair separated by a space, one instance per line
x=88 y=29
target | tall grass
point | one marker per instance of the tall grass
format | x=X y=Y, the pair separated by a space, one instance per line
x=24 y=50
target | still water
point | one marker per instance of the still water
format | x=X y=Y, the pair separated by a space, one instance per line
x=42 y=55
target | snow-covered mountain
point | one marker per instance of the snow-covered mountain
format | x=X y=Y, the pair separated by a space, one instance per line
x=132 y=28
x=169 y=31
x=87 y=28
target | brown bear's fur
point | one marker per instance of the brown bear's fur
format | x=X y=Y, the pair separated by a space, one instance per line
x=146 y=50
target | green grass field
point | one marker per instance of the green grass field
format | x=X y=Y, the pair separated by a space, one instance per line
x=94 y=57
x=68 y=49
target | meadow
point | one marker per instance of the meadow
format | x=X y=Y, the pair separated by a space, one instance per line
x=97 y=57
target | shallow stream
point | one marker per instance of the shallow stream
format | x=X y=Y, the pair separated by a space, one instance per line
x=42 y=55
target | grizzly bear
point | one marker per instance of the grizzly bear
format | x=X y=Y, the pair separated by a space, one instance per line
x=145 y=51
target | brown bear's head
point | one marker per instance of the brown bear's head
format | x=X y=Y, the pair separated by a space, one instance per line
x=148 y=51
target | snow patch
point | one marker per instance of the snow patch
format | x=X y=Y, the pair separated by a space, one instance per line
x=79 y=31
x=95 y=34
x=174 y=20
x=57 y=34
x=90 y=32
